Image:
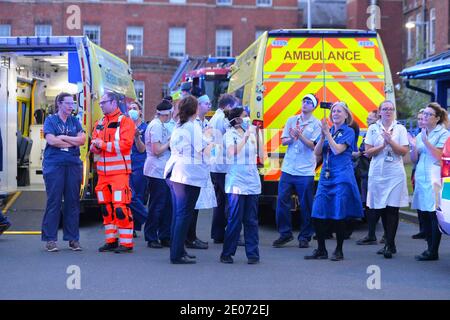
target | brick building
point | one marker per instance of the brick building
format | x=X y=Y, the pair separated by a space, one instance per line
x=161 y=32
x=428 y=33
x=391 y=27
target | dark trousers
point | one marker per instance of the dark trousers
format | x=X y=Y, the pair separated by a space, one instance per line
x=3 y=219
x=138 y=185
x=303 y=187
x=159 y=218
x=323 y=226
x=192 y=232
x=219 y=220
x=431 y=229
x=184 y=198
x=421 y=216
x=390 y=218
x=243 y=210
x=373 y=216
x=62 y=181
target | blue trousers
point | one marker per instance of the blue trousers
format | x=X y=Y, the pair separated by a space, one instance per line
x=219 y=219
x=303 y=186
x=243 y=210
x=138 y=185
x=3 y=219
x=184 y=198
x=159 y=211
x=62 y=181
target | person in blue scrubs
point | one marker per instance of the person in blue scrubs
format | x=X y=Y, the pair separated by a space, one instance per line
x=337 y=197
x=186 y=171
x=62 y=170
x=242 y=186
x=138 y=182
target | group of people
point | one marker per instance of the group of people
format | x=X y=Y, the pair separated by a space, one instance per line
x=186 y=163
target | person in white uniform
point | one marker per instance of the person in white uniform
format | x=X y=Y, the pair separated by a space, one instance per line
x=426 y=151
x=186 y=172
x=387 y=143
x=243 y=186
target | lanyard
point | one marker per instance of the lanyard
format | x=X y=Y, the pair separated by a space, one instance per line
x=327 y=161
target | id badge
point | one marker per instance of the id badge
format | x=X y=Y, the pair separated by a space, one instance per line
x=65 y=149
x=327 y=174
x=389 y=157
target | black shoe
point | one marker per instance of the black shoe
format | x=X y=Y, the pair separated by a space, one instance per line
x=387 y=253
x=226 y=259
x=154 y=244
x=196 y=244
x=317 y=255
x=109 y=247
x=165 y=243
x=419 y=235
x=393 y=250
x=366 y=241
x=427 y=256
x=337 y=256
x=282 y=241
x=253 y=261
x=123 y=249
x=4 y=227
x=303 y=244
x=189 y=256
x=183 y=260
x=218 y=240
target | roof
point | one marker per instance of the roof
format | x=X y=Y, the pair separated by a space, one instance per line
x=436 y=67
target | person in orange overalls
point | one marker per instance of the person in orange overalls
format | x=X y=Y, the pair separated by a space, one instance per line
x=112 y=139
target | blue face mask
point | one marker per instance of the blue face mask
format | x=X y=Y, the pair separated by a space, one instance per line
x=134 y=114
x=245 y=123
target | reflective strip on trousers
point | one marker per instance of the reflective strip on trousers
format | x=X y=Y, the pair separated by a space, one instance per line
x=113 y=159
x=110 y=227
x=118 y=196
x=126 y=232
x=101 y=198
x=112 y=168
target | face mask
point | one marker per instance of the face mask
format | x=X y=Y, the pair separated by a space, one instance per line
x=245 y=123
x=134 y=114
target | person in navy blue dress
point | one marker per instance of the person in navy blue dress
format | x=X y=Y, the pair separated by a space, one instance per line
x=337 y=197
x=62 y=170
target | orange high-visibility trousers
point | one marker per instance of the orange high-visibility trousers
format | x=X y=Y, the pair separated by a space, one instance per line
x=115 y=194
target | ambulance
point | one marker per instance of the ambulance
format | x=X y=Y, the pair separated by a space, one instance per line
x=33 y=70
x=277 y=70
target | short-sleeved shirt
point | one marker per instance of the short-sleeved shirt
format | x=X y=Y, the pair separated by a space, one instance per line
x=61 y=156
x=138 y=158
x=428 y=170
x=187 y=163
x=387 y=178
x=220 y=124
x=154 y=165
x=299 y=159
x=242 y=176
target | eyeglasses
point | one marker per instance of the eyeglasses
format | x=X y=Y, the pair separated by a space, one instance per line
x=307 y=101
x=427 y=114
x=103 y=102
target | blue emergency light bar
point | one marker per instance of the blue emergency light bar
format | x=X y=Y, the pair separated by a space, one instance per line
x=40 y=44
x=221 y=60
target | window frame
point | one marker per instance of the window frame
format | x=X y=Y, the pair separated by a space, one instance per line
x=170 y=43
x=135 y=52
x=98 y=28
x=230 y=44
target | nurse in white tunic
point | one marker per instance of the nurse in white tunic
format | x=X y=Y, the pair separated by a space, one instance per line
x=387 y=143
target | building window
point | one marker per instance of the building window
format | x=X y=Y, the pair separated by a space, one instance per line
x=43 y=30
x=177 y=42
x=5 y=30
x=419 y=39
x=93 y=33
x=409 y=41
x=432 y=30
x=139 y=88
x=258 y=33
x=263 y=3
x=224 y=2
x=135 y=36
x=224 y=40
x=178 y=1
